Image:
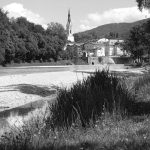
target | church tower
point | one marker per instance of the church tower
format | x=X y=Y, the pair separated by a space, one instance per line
x=70 y=36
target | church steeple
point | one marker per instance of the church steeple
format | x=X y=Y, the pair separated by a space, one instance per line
x=69 y=28
x=69 y=24
x=69 y=16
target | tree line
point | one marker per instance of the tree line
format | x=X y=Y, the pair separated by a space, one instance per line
x=93 y=35
x=23 y=41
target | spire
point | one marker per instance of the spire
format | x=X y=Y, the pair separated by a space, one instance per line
x=70 y=37
x=69 y=16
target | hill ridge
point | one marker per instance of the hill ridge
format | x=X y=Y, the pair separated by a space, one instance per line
x=112 y=30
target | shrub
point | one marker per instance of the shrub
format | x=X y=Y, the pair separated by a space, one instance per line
x=141 y=88
x=141 y=81
x=87 y=99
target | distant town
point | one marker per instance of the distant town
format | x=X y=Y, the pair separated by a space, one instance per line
x=97 y=51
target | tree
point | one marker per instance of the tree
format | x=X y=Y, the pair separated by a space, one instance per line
x=71 y=53
x=20 y=50
x=10 y=48
x=147 y=45
x=143 y=4
x=23 y=41
x=4 y=35
x=136 y=42
x=56 y=29
x=58 y=38
x=38 y=29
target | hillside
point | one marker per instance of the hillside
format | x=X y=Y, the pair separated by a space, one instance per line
x=113 y=30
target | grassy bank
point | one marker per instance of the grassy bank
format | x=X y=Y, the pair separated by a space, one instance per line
x=103 y=111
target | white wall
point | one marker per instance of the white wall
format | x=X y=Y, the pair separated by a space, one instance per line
x=119 y=51
x=111 y=51
x=101 y=52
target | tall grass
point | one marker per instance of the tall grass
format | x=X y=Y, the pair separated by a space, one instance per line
x=141 y=81
x=28 y=133
x=141 y=88
x=128 y=135
x=87 y=100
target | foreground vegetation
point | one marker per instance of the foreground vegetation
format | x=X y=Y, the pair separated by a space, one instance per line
x=88 y=99
x=102 y=112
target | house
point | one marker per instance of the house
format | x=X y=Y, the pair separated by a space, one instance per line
x=94 y=49
x=103 y=48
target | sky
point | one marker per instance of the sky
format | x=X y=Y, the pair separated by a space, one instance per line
x=85 y=14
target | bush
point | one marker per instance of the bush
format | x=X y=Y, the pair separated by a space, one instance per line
x=141 y=88
x=141 y=81
x=87 y=99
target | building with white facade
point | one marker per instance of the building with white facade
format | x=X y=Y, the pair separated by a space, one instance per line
x=104 y=47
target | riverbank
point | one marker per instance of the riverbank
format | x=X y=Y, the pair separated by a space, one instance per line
x=22 y=85
x=17 y=90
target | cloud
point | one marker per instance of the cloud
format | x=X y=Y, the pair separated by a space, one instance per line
x=118 y=15
x=84 y=27
x=17 y=10
x=94 y=17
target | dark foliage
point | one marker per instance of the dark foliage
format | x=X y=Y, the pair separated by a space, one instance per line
x=143 y=4
x=23 y=41
x=137 y=43
x=87 y=100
